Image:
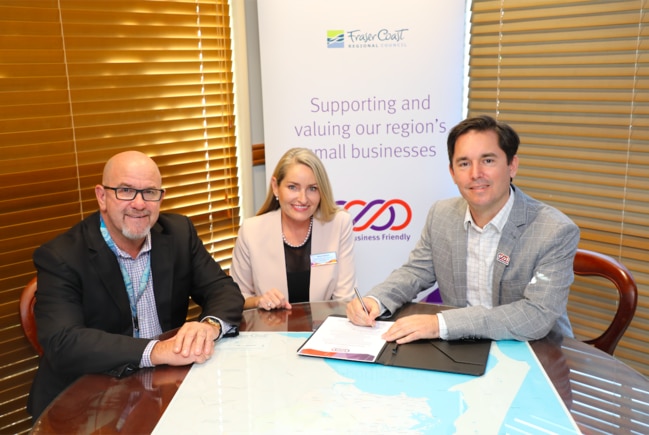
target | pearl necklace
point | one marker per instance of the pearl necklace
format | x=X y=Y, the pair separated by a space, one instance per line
x=308 y=234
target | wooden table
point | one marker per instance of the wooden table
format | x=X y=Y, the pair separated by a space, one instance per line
x=603 y=394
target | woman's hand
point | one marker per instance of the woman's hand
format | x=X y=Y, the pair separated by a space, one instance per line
x=273 y=299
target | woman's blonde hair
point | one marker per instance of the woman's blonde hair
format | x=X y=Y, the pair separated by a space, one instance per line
x=304 y=156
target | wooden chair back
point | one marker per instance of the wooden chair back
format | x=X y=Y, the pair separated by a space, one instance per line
x=27 y=321
x=590 y=263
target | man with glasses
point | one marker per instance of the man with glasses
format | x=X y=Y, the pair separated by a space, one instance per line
x=118 y=279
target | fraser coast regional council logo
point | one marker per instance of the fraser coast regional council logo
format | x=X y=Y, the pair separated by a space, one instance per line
x=357 y=38
x=336 y=38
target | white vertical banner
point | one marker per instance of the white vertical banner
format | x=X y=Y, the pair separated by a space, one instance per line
x=372 y=87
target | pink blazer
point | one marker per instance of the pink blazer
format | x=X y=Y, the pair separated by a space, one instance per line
x=258 y=262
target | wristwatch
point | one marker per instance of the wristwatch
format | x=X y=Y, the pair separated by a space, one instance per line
x=214 y=323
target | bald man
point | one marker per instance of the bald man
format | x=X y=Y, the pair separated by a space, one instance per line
x=118 y=279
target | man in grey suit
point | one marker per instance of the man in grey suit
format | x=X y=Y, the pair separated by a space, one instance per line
x=503 y=258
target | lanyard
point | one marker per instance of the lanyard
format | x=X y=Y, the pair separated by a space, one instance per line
x=144 y=279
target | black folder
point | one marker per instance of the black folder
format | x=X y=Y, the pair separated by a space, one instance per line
x=467 y=357
x=454 y=356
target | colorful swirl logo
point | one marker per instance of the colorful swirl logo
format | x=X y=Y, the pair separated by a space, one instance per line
x=387 y=210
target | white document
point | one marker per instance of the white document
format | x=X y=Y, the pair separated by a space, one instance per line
x=339 y=338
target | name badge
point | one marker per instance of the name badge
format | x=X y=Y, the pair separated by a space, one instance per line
x=323 y=259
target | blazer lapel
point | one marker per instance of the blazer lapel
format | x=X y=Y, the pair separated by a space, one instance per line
x=106 y=266
x=276 y=272
x=459 y=252
x=319 y=276
x=511 y=233
x=161 y=253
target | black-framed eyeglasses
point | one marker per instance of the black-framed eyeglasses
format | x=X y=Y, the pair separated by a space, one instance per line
x=129 y=193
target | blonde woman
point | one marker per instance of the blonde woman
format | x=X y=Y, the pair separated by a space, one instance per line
x=300 y=245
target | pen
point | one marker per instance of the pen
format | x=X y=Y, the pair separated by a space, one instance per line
x=395 y=349
x=360 y=299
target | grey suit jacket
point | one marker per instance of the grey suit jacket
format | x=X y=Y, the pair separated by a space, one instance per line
x=530 y=293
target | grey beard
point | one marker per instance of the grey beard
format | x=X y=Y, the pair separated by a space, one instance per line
x=135 y=236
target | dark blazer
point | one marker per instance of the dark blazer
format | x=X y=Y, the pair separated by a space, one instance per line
x=82 y=309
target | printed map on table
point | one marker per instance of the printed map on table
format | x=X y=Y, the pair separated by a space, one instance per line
x=256 y=383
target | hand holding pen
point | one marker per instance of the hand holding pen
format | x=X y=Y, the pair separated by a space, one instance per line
x=361 y=313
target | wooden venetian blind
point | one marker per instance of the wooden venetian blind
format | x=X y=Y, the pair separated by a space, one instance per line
x=80 y=81
x=572 y=77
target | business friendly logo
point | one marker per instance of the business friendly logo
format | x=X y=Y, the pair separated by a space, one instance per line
x=383 y=38
x=379 y=214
